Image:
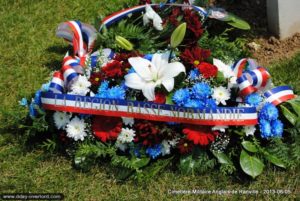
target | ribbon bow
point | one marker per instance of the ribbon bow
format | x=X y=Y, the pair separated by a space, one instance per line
x=255 y=78
x=82 y=37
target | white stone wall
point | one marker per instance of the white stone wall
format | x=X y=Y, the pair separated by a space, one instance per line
x=283 y=17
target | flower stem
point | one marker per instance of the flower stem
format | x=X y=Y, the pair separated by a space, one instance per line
x=170 y=56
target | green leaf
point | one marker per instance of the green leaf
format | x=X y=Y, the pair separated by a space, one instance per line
x=296 y=106
x=273 y=159
x=187 y=164
x=250 y=164
x=237 y=22
x=222 y=157
x=169 y=99
x=249 y=146
x=289 y=115
x=178 y=35
x=220 y=77
x=140 y=162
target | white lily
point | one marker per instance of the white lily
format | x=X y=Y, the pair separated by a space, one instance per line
x=149 y=75
x=224 y=68
x=227 y=72
x=152 y=15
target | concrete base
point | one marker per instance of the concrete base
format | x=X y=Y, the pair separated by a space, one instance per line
x=283 y=17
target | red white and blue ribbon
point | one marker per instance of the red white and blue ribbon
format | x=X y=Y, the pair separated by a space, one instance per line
x=116 y=17
x=57 y=83
x=254 y=78
x=149 y=110
x=82 y=36
x=279 y=95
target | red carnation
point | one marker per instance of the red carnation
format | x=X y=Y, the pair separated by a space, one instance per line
x=96 y=78
x=112 y=69
x=193 y=23
x=147 y=133
x=185 y=146
x=207 y=70
x=173 y=18
x=106 y=128
x=160 y=98
x=194 y=55
x=199 y=134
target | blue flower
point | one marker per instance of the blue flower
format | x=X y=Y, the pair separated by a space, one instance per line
x=201 y=90
x=37 y=98
x=154 y=151
x=265 y=128
x=23 y=102
x=194 y=103
x=123 y=85
x=181 y=96
x=148 y=57
x=32 y=110
x=194 y=74
x=45 y=87
x=253 y=99
x=131 y=70
x=103 y=86
x=268 y=112
x=277 y=128
x=102 y=90
x=210 y=103
x=116 y=93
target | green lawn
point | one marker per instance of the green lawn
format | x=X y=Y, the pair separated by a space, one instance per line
x=29 y=50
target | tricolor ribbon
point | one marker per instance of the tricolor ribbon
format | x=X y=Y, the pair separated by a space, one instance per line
x=252 y=78
x=148 y=110
x=118 y=16
x=279 y=95
x=82 y=36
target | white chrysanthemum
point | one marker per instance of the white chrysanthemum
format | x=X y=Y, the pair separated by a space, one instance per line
x=219 y=128
x=126 y=135
x=81 y=86
x=61 y=119
x=76 y=129
x=173 y=142
x=249 y=130
x=128 y=121
x=121 y=146
x=221 y=95
x=166 y=148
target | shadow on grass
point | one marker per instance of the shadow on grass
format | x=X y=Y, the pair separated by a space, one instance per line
x=61 y=50
x=55 y=63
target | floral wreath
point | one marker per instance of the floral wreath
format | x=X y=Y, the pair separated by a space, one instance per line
x=152 y=93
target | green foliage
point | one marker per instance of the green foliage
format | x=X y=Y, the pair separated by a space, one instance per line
x=251 y=165
x=249 y=146
x=138 y=35
x=226 y=165
x=237 y=22
x=49 y=145
x=153 y=169
x=283 y=152
x=222 y=48
x=197 y=163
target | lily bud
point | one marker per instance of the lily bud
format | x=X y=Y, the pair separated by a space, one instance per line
x=124 y=43
x=178 y=35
